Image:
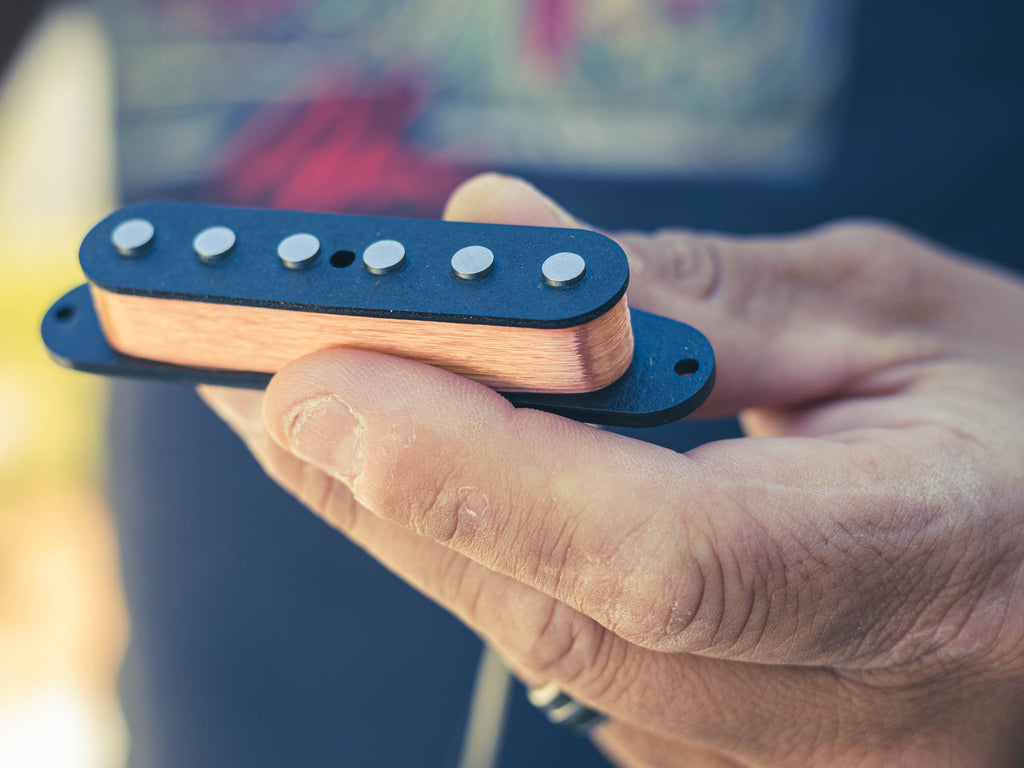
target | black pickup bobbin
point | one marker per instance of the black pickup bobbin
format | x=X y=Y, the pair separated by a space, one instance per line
x=524 y=279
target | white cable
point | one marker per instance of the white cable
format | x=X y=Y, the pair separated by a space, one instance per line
x=488 y=705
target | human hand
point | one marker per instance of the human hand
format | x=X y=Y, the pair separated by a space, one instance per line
x=844 y=587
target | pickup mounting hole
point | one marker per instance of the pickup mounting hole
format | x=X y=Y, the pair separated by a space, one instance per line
x=342 y=259
x=687 y=367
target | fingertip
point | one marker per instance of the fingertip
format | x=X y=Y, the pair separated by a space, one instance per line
x=382 y=389
x=299 y=383
x=494 y=198
x=471 y=195
x=354 y=414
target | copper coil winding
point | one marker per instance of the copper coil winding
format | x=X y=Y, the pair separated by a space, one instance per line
x=582 y=358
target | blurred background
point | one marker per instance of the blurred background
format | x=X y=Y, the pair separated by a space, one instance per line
x=249 y=645
x=62 y=619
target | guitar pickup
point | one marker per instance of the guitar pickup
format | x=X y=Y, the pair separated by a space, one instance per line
x=206 y=294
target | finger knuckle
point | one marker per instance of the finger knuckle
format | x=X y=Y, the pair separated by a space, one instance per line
x=433 y=508
x=861 y=231
x=565 y=647
x=886 y=272
x=691 y=263
x=406 y=480
x=715 y=590
x=657 y=609
x=879 y=253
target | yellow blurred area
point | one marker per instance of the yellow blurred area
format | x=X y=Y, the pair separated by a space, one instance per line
x=62 y=621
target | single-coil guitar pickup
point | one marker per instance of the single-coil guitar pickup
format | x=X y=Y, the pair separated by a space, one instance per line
x=206 y=294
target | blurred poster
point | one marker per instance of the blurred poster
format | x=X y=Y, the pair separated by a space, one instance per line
x=374 y=103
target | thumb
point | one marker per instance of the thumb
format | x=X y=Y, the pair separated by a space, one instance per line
x=492 y=198
x=792 y=319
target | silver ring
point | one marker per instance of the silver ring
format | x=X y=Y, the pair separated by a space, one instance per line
x=562 y=709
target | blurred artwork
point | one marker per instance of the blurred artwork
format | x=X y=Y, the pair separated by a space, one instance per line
x=679 y=88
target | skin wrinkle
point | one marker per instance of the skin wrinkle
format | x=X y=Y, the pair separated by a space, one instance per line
x=756 y=636
x=479 y=589
x=514 y=520
x=906 y=647
x=534 y=568
x=984 y=557
x=554 y=558
x=440 y=515
x=852 y=555
x=998 y=610
x=601 y=674
x=719 y=610
x=620 y=679
x=454 y=579
x=692 y=262
x=770 y=578
x=900 y=701
x=628 y=597
x=688 y=590
x=431 y=508
x=877 y=632
x=655 y=617
x=725 y=559
x=747 y=592
x=952 y=616
x=978 y=642
x=762 y=553
x=517 y=529
x=566 y=488
x=671 y=613
x=665 y=276
x=553 y=647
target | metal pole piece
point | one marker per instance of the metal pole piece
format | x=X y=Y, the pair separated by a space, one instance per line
x=298 y=251
x=214 y=244
x=473 y=262
x=133 y=237
x=384 y=256
x=563 y=269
